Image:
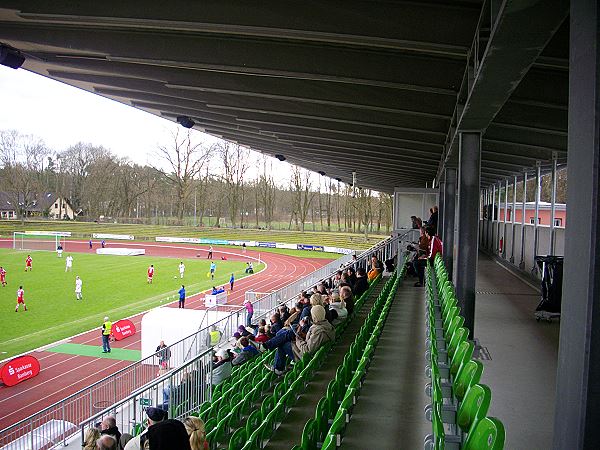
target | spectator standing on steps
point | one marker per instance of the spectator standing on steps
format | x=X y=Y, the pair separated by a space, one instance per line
x=106 y=330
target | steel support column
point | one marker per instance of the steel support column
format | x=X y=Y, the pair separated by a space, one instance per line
x=577 y=409
x=449 y=214
x=498 y=219
x=468 y=224
x=514 y=222
x=536 y=219
x=553 y=206
x=493 y=245
x=441 y=207
x=505 y=217
x=522 y=262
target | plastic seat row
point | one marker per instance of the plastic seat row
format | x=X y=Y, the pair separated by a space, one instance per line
x=334 y=409
x=235 y=398
x=459 y=405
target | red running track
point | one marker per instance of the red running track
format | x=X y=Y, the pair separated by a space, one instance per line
x=62 y=375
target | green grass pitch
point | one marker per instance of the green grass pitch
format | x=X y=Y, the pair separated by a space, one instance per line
x=112 y=285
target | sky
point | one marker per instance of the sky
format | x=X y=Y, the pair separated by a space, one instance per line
x=63 y=115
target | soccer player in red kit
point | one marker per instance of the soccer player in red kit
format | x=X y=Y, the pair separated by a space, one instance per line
x=20 y=299
x=28 y=262
x=2 y=276
x=150 y=273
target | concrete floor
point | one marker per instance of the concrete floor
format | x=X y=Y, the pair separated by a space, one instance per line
x=521 y=371
x=524 y=354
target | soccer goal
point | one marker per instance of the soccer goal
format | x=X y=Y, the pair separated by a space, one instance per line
x=39 y=241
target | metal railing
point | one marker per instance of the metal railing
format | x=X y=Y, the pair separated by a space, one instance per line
x=82 y=406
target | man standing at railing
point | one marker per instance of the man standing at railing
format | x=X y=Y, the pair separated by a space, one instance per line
x=106 y=330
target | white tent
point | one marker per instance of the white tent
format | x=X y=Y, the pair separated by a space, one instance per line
x=171 y=325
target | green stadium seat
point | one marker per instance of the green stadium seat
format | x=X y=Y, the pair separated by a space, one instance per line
x=309 y=435
x=259 y=436
x=488 y=434
x=238 y=439
x=267 y=405
x=322 y=414
x=462 y=356
x=254 y=420
x=474 y=406
x=466 y=377
x=330 y=442
x=338 y=426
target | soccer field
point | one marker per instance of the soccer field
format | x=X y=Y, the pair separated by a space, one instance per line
x=112 y=285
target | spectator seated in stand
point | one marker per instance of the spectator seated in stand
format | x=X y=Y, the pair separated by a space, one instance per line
x=294 y=343
x=376 y=268
x=248 y=352
x=221 y=366
x=262 y=336
x=362 y=284
x=348 y=298
x=197 y=433
x=108 y=427
x=284 y=312
x=276 y=324
x=155 y=416
x=91 y=436
x=336 y=305
x=169 y=434
x=294 y=317
x=351 y=275
x=106 y=442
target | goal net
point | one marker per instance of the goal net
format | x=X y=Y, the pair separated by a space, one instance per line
x=39 y=241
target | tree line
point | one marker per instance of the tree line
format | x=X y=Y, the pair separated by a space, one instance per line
x=188 y=182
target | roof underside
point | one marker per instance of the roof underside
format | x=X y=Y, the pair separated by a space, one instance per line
x=375 y=87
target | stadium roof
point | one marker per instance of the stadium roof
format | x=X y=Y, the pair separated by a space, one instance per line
x=375 y=87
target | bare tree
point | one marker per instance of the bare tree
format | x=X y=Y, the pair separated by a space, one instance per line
x=267 y=190
x=303 y=195
x=22 y=163
x=185 y=159
x=235 y=163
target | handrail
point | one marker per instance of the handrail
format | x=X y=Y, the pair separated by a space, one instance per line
x=113 y=388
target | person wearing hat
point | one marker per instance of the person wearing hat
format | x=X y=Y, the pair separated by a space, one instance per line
x=169 y=434
x=155 y=416
x=106 y=330
x=221 y=368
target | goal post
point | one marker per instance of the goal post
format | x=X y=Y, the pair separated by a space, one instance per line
x=38 y=240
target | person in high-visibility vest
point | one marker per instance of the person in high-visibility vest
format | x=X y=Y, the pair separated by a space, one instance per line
x=215 y=336
x=106 y=330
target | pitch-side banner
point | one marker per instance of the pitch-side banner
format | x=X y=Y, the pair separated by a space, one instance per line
x=124 y=237
x=48 y=233
x=19 y=369
x=122 y=329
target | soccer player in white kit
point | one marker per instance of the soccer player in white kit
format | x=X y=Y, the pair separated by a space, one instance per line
x=181 y=269
x=78 y=286
x=68 y=263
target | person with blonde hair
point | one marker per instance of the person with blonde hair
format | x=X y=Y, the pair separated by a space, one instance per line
x=91 y=436
x=195 y=430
